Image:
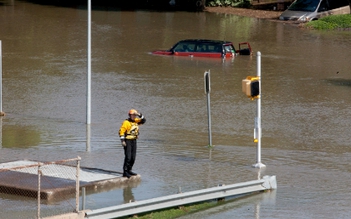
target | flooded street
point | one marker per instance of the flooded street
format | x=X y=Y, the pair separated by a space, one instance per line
x=306 y=85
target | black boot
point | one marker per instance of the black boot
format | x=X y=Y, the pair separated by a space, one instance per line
x=126 y=174
x=132 y=173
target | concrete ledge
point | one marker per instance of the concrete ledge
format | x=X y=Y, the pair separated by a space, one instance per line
x=57 y=181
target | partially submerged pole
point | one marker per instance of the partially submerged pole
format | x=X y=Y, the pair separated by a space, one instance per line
x=1 y=112
x=258 y=130
x=89 y=66
x=251 y=86
x=207 y=92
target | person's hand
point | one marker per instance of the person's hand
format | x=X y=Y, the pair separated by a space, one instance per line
x=124 y=143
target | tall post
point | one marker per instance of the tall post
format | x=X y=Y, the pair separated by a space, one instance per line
x=258 y=130
x=1 y=78
x=207 y=92
x=77 y=184
x=39 y=185
x=1 y=112
x=89 y=66
x=83 y=198
x=88 y=138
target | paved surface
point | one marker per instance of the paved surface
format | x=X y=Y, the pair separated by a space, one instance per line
x=57 y=180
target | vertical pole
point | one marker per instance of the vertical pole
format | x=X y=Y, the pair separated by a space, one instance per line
x=89 y=65
x=209 y=120
x=77 y=184
x=88 y=138
x=1 y=113
x=0 y=133
x=0 y=78
x=83 y=198
x=257 y=211
x=258 y=118
x=39 y=179
x=207 y=91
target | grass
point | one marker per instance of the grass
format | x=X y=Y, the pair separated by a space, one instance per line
x=332 y=22
x=176 y=212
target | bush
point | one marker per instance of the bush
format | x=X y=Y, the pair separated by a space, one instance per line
x=229 y=3
x=331 y=22
x=321 y=25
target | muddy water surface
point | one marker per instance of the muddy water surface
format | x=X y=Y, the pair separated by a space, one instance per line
x=306 y=82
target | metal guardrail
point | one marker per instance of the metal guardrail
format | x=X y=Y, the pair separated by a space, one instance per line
x=266 y=183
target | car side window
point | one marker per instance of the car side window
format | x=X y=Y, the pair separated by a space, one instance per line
x=184 y=47
x=323 y=6
x=201 y=48
x=218 y=48
x=191 y=47
x=180 y=47
x=214 y=48
x=229 y=48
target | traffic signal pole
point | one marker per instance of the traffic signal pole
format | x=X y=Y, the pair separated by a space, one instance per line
x=258 y=131
x=251 y=86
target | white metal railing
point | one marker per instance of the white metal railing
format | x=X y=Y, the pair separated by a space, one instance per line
x=266 y=183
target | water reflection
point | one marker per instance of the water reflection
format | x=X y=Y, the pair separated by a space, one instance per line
x=1 y=132
x=242 y=207
x=339 y=82
x=7 y=2
x=128 y=195
x=18 y=136
x=88 y=135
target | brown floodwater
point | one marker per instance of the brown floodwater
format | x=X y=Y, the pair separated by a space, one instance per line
x=306 y=85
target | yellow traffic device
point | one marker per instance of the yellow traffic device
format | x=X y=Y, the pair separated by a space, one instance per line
x=251 y=87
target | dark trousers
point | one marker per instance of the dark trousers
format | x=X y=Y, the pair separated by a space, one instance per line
x=129 y=154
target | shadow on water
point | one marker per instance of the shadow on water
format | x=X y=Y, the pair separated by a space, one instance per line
x=158 y=5
x=339 y=82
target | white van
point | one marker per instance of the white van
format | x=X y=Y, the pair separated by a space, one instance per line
x=309 y=10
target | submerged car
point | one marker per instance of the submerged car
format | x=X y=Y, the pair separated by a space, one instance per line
x=206 y=48
x=309 y=10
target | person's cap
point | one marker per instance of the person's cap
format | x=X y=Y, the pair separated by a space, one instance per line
x=133 y=112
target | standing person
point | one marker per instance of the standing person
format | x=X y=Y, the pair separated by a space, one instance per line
x=128 y=133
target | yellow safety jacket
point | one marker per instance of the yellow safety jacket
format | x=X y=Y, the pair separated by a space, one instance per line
x=130 y=129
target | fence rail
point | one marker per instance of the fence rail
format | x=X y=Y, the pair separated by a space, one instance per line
x=37 y=187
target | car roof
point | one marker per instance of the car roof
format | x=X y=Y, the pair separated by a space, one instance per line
x=204 y=41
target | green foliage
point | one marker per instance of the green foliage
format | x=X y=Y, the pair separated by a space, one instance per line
x=331 y=22
x=228 y=3
x=321 y=25
x=176 y=212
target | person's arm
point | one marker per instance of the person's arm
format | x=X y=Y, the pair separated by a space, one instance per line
x=141 y=120
x=122 y=132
